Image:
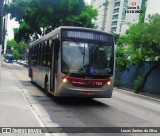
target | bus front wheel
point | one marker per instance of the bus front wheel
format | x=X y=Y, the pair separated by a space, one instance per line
x=46 y=89
x=31 y=77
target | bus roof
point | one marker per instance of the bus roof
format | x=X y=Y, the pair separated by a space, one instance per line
x=57 y=30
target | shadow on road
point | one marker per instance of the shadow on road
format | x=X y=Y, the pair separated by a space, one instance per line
x=67 y=101
x=78 y=101
x=70 y=101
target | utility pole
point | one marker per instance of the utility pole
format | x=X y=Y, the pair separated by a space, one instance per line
x=1 y=31
x=4 y=42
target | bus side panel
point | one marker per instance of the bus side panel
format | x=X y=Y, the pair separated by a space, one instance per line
x=39 y=73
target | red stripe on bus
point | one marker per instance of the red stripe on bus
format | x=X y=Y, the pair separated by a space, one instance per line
x=87 y=83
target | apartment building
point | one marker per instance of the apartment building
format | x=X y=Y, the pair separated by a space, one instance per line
x=113 y=15
x=105 y=12
x=119 y=15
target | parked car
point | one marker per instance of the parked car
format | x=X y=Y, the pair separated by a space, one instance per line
x=25 y=63
x=21 y=62
x=18 y=61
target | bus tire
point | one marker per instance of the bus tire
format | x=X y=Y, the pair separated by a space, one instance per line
x=46 y=88
x=31 y=77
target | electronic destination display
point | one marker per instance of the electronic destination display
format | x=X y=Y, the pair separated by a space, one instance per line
x=87 y=35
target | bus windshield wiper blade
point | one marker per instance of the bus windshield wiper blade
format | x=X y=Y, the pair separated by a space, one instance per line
x=82 y=50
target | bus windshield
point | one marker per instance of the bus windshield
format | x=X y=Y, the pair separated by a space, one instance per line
x=86 y=58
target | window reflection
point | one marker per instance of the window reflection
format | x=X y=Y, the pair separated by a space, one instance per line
x=90 y=58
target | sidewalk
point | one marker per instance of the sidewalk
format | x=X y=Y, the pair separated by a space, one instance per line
x=155 y=97
x=14 y=108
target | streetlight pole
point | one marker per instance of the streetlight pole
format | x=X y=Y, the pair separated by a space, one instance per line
x=1 y=32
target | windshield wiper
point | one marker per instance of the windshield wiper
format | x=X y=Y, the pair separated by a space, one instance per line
x=82 y=50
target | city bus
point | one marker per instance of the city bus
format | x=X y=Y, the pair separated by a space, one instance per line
x=73 y=62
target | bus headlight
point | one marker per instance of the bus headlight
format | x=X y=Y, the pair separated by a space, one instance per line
x=64 y=80
x=109 y=82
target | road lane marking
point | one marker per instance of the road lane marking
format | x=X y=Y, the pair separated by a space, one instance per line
x=35 y=114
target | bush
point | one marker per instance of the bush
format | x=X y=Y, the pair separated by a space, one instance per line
x=138 y=82
x=117 y=83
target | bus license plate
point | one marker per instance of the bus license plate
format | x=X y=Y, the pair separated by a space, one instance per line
x=87 y=93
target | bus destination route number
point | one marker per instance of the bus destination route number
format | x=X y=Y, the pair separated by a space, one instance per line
x=87 y=35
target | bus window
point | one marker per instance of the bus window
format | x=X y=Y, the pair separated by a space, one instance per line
x=49 y=53
x=40 y=63
x=87 y=58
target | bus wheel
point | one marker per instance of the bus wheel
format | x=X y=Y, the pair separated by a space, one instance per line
x=46 y=89
x=31 y=78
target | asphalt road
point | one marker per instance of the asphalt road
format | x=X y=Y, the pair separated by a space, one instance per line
x=122 y=110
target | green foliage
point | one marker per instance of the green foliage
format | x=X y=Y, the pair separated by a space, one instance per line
x=11 y=43
x=38 y=17
x=138 y=82
x=144 y=40
x=140 y=44
x=18 y=48
x=117 y=83
x=15 y=53
x=87 y=15
x=122 y=60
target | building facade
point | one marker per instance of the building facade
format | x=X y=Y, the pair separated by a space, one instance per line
x=114 y=16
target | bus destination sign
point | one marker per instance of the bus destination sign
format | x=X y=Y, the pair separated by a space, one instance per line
x=88 y=35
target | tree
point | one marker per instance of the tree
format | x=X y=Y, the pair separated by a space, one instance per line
x=19 y=49
x=122 y=61
x=15 y=53
x=143 y=42
x=38 y=17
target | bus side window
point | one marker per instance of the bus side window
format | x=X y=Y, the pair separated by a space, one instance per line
x=36 y=55
x=49 y=53
x=45 y=53
x=30 y=55
x=40 y=54
x=56 y=51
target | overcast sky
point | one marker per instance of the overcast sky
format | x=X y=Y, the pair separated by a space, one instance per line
x=88 y=1
x=10 y=25
x=153 y=6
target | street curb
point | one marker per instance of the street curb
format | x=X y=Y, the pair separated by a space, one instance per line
x=139 y=95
